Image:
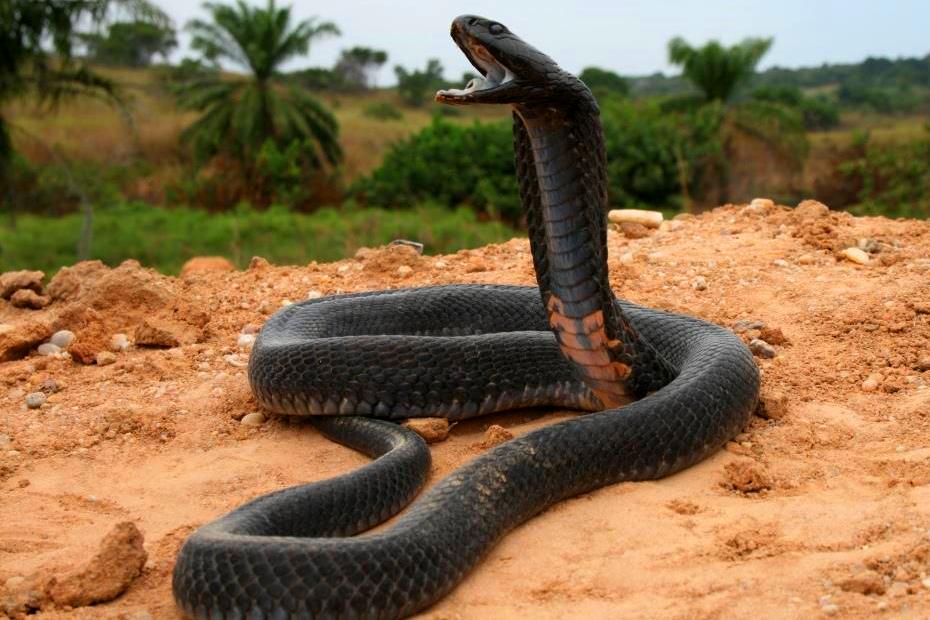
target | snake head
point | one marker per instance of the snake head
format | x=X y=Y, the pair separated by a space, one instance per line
x=512 y=71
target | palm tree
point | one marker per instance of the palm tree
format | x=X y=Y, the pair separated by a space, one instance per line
x=240 y=114
x=719 y=73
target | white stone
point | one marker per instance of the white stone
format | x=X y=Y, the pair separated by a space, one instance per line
x=856 y=255
x=649 y=219
x=256 y=418
x=48 y=348
x=62 y=338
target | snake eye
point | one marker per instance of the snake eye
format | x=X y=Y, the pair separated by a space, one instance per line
x=496 y=28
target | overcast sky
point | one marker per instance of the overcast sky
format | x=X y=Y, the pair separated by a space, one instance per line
x=626 y=36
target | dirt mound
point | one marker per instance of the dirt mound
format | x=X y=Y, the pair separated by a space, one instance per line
x=821 y=506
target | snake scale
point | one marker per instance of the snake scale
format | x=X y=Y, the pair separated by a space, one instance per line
x=354 y=362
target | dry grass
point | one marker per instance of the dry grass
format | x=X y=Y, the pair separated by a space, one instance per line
x=91 y=130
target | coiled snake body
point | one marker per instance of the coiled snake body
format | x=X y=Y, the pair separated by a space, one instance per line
x=465 y=350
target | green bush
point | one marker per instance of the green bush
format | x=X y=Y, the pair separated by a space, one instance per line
x=894 y=178
x=451 y=165
x=166 y=238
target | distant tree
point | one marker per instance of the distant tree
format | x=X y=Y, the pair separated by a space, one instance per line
x=357 y=67
x=603 y=82
x=130 y=44
x=37 y=54
x=415 y=87
x=718 y=71
x=818 y=112
x=318 y=78
x=241 y=114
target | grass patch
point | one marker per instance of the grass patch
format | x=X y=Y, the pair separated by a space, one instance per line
x=166 y=238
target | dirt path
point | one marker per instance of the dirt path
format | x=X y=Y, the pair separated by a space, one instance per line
x=820 y=508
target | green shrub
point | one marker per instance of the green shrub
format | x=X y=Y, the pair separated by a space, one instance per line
x=451 y=165
x=894 y=178
x=383 y=111
x=166 y=238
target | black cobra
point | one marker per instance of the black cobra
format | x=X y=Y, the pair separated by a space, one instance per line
x=459 y=351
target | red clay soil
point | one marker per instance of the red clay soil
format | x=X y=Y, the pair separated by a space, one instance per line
x=820 y=507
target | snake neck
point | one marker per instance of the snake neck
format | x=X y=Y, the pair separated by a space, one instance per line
x=561 y=169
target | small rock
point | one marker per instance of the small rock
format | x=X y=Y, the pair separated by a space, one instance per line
x=856 y=255
x=867 y=582
x=256 y=418
x=251 y=328
x=108 y=574
x=258 y=263
x=627 y=258
x=926 y=583
x=675 y=225
x=286 y=302
x=105 y=358
x=48 y=348
x=27 y=298
x=236 y=360
x=49 y=386
x=872 y=382
x=62 y=338
x=13 y=281
x=772 y=335
x=404 y=270
x=774 y=404
x=119 y=343
x=867 y=244
x=760 y=205
x=431 y=429
x=746 y=477
x=495 y=435
x=760 y=348
x=811 y=209
x=266 y=306
x=807 y=259
x=416 y=245
x=831 y=609
x=35 y=399
x=780 y=262
x=314 y=294
x=245 y=341
x=148 y=334
x=699 y=283
x=744 y=325
x=649 y=219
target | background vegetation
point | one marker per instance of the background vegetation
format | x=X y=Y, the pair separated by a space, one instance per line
x=108 y=152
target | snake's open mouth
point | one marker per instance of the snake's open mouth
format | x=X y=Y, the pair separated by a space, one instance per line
x=493 y=73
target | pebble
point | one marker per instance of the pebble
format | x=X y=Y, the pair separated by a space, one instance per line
x=119 y=342
x=856 y=255
x=49 y=386
x=256 y=418
x=760 y=205
x=760 y=348
x=699 y=283
x=923 y=364
x=105 y=358
x=245 y=341
x=35 y=399
x=744 y=325
x=926 y=583
x=780 y=262
x=62 y=338
x=627 y=258
x=314 y=294
x=48 y=348
x=807 y=259
x=872 y=382
x=831 y=609
x=440 y=264
x=404 y=270
x=236 y=360
x=650 y=219
x=430 y=429
x=251 y=328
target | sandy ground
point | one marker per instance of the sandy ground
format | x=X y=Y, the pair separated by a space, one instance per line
x=820 y=508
